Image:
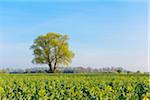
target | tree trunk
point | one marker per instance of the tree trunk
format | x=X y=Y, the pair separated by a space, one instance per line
x=54 y=66
x=50 y=68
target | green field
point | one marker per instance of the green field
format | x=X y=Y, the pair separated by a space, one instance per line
x=103 y=86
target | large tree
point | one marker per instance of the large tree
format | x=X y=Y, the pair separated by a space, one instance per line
x=52 y=49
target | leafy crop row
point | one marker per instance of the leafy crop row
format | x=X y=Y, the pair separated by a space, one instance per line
x=74 y=87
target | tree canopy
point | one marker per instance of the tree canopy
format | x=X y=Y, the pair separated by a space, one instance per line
x=52 y=49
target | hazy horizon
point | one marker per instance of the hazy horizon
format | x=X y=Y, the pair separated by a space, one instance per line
x=102 y=34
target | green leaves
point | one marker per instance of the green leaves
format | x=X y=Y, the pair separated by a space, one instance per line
x=75 y=86
x=52 y=49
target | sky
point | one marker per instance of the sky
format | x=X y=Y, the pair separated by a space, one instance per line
x=102 y=33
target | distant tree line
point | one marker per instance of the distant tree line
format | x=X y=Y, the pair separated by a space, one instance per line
x=68 y=70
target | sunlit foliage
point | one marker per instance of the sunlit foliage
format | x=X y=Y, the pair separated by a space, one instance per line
x=52 y=49
x=74 y=87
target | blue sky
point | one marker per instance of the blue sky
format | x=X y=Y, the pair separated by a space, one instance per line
x=102 y=33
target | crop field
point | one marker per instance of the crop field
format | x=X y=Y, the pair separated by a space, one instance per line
x=103 y=86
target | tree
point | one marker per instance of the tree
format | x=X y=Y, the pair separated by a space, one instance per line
x=119 y=70
x=138 y=71
x=52 y=49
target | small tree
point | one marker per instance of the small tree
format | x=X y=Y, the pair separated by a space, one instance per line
x=119 y=70
x=52 y=49
x=138 y=71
